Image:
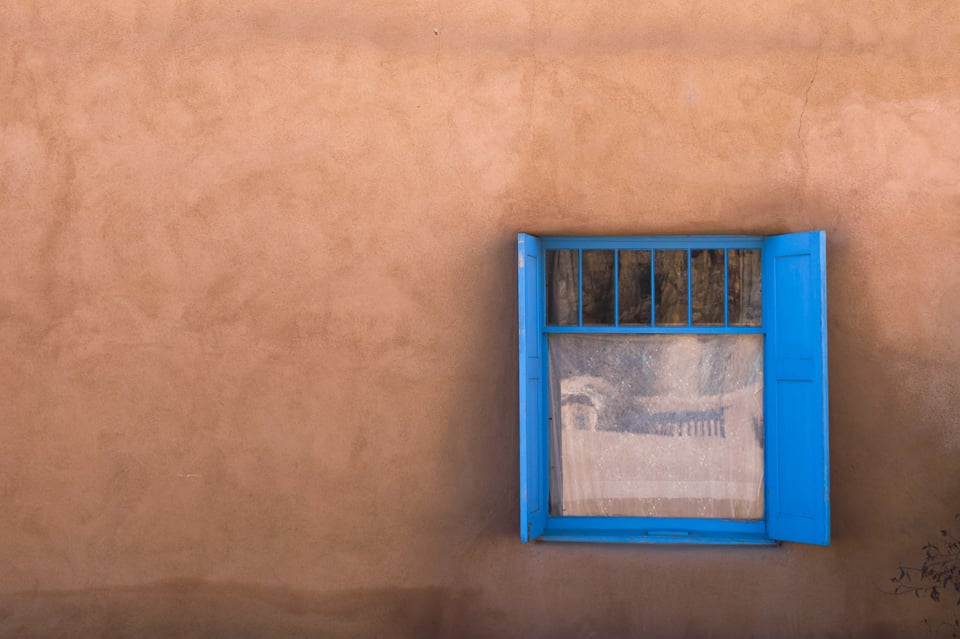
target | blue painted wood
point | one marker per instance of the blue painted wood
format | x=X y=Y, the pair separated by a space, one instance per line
x=689 y=289
x=616 y=287
x=795 y=388
x=797 y=486
x=726 y=288
x=580 y=288
x=532 y=391
x=653 y=288
x=676 y=330
x=656 y=525
x=645 y=537
x=652 y=242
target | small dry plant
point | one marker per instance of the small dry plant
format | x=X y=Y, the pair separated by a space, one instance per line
x=936 y=577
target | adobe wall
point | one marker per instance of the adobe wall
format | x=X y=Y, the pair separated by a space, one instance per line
x=258 y=317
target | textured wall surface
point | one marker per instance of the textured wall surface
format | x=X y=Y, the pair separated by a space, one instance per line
x=257 y=302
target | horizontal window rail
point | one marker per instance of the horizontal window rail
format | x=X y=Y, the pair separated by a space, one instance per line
x=660 y=243
x=657 y=330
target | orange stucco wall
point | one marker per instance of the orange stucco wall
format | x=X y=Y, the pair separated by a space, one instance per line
x=257 y=303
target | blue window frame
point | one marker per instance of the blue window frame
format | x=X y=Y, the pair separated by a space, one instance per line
x=795 y=427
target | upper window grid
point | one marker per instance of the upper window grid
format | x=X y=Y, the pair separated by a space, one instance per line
x=586 y=278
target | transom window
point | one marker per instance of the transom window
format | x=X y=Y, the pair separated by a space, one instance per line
x=648 y=287
x=673 y=389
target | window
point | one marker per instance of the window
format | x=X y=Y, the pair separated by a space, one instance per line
x=673 y=389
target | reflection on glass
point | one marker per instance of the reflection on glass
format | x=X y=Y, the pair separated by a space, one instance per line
x=670 y=274
x=743 y=287
x=706 y=296
x=598 y=297
x=563 y=287
x=656 y=425
x=635 y=287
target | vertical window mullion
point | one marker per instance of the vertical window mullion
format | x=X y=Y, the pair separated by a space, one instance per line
x=653 y=288
x=616 y=287
x=726 y=290
x=580 y=287
x=689 y=290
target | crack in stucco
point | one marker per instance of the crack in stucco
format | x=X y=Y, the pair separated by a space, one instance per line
x=804 y=162
x=806 y=94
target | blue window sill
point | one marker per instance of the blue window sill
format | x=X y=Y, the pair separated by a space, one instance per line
x=656 y=537
x=638 y=530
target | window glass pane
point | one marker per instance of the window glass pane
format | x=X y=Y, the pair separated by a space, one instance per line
x=563 y=287
x=656 y=425
x=670 y=273
x=635 y=287
x=598 y=297
x=707 y=287
x=743 y=287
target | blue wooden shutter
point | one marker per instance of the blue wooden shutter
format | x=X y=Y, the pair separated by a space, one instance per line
x=795 y=388
x=533 y=453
